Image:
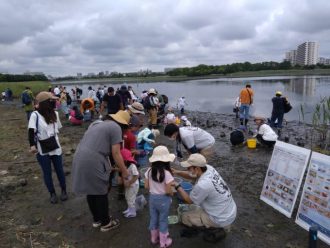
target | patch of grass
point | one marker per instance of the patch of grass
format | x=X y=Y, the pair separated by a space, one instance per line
x=18 y=87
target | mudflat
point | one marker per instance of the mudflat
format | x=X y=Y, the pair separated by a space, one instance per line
x=27 y=219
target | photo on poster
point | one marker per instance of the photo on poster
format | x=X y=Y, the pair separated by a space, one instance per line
x=314 y=208
x=284 y=175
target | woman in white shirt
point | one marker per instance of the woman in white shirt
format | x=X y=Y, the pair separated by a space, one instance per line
x=265 y=134
x=44 y=125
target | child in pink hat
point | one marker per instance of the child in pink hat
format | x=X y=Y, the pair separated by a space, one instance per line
x=131 y=183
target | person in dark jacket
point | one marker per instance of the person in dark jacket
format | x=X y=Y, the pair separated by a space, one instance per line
x=278 y=110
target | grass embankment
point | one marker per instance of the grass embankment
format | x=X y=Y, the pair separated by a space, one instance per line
x=19 y=87
x=166 y=78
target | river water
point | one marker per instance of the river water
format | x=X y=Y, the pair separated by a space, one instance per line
x=218 y=95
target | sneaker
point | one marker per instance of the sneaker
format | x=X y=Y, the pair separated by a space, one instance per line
x=114 y=223
x=97 y=224
x=64 y=196
x=53 y=198
x=126 y=211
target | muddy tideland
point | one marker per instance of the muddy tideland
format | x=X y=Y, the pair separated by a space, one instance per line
x=28 y=219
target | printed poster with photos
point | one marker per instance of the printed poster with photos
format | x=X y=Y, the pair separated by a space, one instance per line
x=314 y=208
x=284 y=175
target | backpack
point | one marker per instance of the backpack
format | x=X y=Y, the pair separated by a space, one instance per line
x=165 y=98
x=26 y=98
x=68 y=99
x=236 y=137
x=287 y=106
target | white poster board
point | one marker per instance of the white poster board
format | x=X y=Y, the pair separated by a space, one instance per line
x=284 y=175
x=314 y=208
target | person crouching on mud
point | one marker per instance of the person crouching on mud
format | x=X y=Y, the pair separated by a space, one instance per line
x=194 y=139
x=217 y=207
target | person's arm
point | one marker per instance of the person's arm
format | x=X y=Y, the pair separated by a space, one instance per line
x=184 y=174
x=168 y=188
x=130 y=182
x=186 y=198
x=115 y=149
x=146 y=183
x=103 y=105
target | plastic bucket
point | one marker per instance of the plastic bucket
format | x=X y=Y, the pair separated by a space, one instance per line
x=251 y=143
x=186 y=186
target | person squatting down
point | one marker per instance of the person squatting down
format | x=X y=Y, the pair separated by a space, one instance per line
x=265 y=134
x=159 y=180
x=217 y=208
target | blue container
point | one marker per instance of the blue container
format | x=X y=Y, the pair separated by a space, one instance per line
x=186 y=186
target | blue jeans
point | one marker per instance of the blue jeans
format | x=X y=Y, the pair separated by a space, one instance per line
x=46 y=166
x=244 y=111
x=159 y=208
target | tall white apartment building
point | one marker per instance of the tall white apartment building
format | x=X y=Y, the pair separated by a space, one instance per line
x=307 y=53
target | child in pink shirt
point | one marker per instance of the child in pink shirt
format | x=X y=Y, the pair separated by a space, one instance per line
x=158 y=180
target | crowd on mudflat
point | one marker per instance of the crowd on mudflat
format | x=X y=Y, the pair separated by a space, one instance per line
x=120 y=145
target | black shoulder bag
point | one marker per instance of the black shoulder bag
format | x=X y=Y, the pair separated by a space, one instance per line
x=49 y=144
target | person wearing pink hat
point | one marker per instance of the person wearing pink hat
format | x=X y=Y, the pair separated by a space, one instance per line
x=131 y=184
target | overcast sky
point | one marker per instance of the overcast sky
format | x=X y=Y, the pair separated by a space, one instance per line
x=61 y=37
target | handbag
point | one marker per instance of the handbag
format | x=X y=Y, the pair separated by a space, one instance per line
x=49 y=144
x=287 y=106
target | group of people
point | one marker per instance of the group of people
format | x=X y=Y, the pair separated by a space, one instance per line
x=265 y=133
x=120 y=142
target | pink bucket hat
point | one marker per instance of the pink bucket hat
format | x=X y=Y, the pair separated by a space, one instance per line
x=127 y=155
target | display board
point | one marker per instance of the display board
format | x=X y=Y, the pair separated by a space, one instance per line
x=314 y=208
x=284 y=175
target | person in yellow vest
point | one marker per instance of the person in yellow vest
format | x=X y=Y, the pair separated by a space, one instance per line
x=246 y=97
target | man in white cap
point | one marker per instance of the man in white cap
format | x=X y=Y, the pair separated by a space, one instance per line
x=217 y=208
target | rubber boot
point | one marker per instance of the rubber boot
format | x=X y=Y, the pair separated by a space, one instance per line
x=246 y=121
x=154 y=236
x=164 y=240
x=131 y=213
x=241 y=120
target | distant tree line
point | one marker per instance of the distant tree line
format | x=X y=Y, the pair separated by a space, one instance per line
x=21 y=78
x=202 y=70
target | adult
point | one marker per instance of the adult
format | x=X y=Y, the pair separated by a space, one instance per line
x=63 y=102
x=278 y=110
x=57 y=91
x=137 y=109
x=133 y=95
x=181 y=104
x=265 y=134
x=44 y=124
x=194 y=139
x=126 y=97
x=112 y=101
x=217 y=208
x=28 y=101
x=151 y=104
x=91 y=165
x=246 y=96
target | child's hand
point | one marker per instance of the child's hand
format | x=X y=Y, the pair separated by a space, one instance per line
x=126 y=183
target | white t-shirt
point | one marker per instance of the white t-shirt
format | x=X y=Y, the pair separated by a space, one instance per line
x=56 y=91
x=191 y=136
x=133 y=171
x=267 y=133
x=46 y=130
x=156 y=187
x=181 y=102
x=213 y=195
x=170 y=118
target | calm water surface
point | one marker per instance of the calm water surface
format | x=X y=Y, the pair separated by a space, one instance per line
x=218 y=95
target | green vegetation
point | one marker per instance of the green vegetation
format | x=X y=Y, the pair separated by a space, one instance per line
x=20 y=78
x=18 y=87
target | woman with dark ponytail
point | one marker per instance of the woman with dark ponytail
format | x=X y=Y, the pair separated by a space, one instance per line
x=44 y=125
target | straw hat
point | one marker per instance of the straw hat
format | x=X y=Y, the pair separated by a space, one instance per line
x=136 y=108
x=44 y=96
x=195 y=159
x=152 y=91
x=121 y=117
x=161 y=153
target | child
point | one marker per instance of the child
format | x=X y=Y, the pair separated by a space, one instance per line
x=185 y=122
x=170 y=116
x=145 y=142
x=158 y=180
x=131 y=184
x=76 y=118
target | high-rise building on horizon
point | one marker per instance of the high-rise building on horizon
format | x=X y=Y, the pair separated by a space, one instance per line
x=308 y=53
x=291 y=57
